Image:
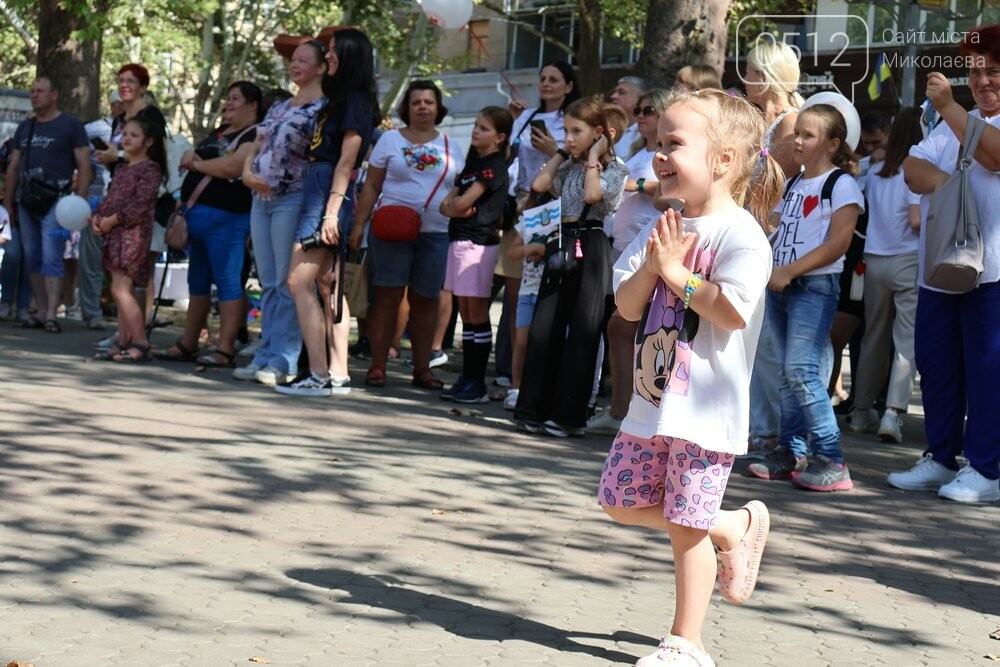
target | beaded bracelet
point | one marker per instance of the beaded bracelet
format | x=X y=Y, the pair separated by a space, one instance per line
x=593 y=165
x=693 y=283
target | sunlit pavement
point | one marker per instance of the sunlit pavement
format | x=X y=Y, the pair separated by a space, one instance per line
x=153 y=515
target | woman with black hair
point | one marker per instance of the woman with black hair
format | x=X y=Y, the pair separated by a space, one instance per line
x=538 y=131
x=410 y=167
x=217 y=206
x=343 y=134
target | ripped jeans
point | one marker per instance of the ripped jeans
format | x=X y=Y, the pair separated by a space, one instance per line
x=799 y=319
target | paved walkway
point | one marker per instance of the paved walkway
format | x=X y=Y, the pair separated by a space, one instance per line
x=151 y=515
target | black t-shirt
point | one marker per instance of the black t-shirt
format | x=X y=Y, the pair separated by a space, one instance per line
x=52 y=145
x=328 y=139
x=481 y=227
x=224 y=194
x=148 y=112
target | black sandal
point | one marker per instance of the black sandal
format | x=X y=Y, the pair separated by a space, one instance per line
x=51 y=326
x=186 y=355
x=208 y=361
x=30 y=323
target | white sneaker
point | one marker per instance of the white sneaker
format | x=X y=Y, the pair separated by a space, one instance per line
x=306 y=384
x=969 y=486
x=270 y=376
x=248 y=351
x=438 y=358
x=246 y=373
x=510 y=401
x=340 y=386
x=556 y=430
x=927 y=475
x=604 y=424
x=863 y=421
x=890 y=429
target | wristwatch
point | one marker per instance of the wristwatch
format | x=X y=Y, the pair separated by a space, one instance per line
x=121 y=154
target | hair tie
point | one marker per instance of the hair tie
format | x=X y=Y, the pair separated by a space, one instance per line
x=764 y=152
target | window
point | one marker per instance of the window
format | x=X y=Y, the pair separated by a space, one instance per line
x=479 y=35
x=560 y=22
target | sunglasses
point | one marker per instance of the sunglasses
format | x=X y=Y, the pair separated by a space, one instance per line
x=644 y=111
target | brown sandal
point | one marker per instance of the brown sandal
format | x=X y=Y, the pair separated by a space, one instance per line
x=424 y=379
x=375 y=376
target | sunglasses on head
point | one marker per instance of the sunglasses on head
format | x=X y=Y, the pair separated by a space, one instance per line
x=644 y=111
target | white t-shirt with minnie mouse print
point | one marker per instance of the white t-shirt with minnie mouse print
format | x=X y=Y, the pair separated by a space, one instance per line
x=691 y=379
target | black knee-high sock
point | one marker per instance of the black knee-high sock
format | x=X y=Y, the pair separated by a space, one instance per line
x=483 y=334
x=468 y=352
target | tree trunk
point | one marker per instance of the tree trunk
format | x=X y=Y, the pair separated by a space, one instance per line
x=588 y=56
x=72 y=65
x=682 y=32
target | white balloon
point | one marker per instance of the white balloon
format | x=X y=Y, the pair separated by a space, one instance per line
x=72 y=212
x=846 y=109
x=447 y=13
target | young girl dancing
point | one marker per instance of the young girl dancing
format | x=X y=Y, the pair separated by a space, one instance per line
x=475 y=206
x=125 y=219
x=696 y=285
x=817 y=222
x=563 y=339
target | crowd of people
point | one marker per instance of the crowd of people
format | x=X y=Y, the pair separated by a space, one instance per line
x=718 y=250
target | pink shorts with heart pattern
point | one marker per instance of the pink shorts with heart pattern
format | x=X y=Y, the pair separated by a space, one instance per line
x=687 y=480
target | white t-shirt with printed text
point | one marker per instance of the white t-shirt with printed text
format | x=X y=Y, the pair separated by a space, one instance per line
x=412 y=171
x=805 y=225
x=691 y=379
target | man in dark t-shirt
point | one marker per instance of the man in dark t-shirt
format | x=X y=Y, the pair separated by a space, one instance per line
x=47 y=148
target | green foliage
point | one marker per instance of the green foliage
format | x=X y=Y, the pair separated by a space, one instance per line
x=749 y=30
x=625 y=19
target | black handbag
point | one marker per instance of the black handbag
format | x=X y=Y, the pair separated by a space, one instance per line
x=38 y=189
x=564 y=251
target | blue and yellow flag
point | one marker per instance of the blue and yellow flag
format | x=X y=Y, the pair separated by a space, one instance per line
x=881 y=73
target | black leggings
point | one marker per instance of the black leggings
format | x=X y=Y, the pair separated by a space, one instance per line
x=559 y=364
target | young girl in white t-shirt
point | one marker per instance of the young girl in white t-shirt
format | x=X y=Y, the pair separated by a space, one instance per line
x=696 y=285
x=809 y=247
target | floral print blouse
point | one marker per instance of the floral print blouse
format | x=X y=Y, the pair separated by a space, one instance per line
x=285 y=134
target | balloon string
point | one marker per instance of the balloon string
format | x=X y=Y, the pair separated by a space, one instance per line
x=503 y=74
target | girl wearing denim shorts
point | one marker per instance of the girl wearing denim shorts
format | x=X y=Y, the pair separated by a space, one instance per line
x=696 y=284
x=475 y=206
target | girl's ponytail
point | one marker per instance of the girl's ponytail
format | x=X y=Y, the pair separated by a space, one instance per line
x=764 y=189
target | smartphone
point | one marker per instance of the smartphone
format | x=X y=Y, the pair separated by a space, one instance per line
x=99 y=144
x=539 y=125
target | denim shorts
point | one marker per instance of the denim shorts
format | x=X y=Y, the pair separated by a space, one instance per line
x=525 y=310
x=316 y=184
x=419 y=265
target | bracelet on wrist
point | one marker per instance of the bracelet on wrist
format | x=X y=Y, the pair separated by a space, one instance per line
x=593 y=165
x=563 y=154
x=693 y=283
x=338 y=194
x=640 y=185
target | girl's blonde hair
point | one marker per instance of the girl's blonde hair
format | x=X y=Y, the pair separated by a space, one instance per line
x=780 y=67
x=755 y=179
x=698 y=77
x=836 y=128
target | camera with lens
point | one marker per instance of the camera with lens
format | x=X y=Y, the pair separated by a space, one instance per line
x=315 y=240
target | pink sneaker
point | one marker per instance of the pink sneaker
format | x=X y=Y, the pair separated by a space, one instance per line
x=676 y=651
x=739 y=566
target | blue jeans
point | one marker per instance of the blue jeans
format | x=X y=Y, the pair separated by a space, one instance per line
x=216 y=253
x=958 y=356
x=800 y=318
x=15 y=287
x=272 y=227
x=44 y=242
x=765 y=386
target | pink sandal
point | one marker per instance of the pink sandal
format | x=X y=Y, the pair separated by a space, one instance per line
x=739 y=566
x=675 y=651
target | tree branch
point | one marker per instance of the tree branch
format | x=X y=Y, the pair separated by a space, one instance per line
x=18 y=25
x=527 y=27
